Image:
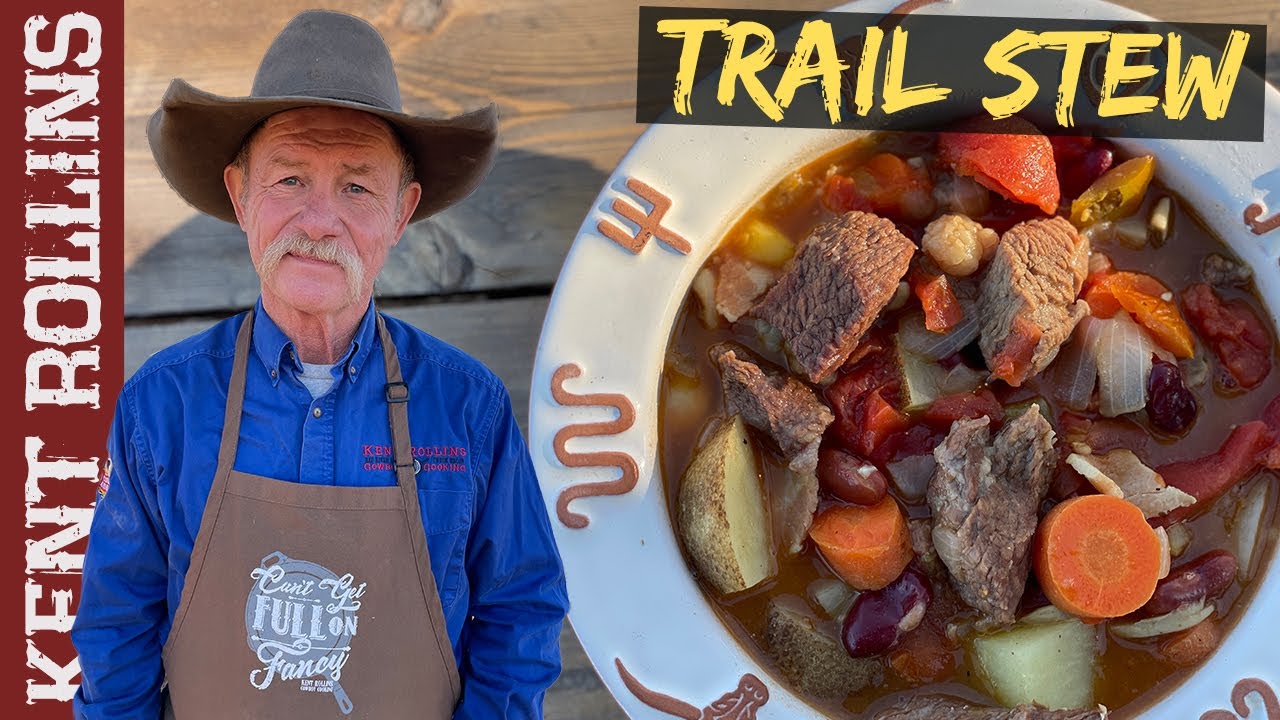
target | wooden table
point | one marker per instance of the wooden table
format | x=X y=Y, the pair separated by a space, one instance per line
x=479 y=275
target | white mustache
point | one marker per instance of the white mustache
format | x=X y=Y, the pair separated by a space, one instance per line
x=302 y=246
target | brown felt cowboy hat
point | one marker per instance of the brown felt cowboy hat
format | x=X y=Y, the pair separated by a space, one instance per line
x=319 y=58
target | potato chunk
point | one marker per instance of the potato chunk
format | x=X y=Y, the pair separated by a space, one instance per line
x=721 y=512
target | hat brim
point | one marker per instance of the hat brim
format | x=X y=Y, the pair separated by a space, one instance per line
x=194 y=135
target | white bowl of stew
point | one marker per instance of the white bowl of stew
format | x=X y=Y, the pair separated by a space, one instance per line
x=628 y=391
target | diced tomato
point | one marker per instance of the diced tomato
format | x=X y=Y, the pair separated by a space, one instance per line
x=879 y=420
x=841 y=195
x=949 y=408
x=886 y=184
x=1208 y=477
x=1020 y=167
x=849 y=398
x=1142 y=296
x=942 y=309
x=1234 y=332
x=1013 y=362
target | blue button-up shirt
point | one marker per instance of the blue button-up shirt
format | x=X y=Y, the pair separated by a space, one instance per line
x=492 y=553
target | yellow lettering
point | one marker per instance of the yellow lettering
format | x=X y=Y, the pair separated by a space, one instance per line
x=1116 y=72
x=864 y=87
x=897 y=97
x=999 y=59
x=737 y=65
x=815 y=37
x=1073 y=45
x=691 y=31
x=1215 y=94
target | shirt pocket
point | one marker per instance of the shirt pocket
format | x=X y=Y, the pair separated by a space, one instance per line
x=447 y=524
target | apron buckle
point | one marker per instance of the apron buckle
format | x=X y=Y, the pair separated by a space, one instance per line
x=397 y=392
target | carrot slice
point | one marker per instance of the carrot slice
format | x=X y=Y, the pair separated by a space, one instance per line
x=1096 y=557
x=867 y=546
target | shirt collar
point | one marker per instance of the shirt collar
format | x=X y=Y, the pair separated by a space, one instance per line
x=275 y=350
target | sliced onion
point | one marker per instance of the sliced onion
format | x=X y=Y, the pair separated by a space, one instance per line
x=833 y=596
x=1165 y=559
x=1077 y=366
x=1124 y=366
x=1179 y=538
x=1186 y=616
x=916 y=338
x=1248 y=522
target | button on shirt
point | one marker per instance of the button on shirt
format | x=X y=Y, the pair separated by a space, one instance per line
x=499 y=575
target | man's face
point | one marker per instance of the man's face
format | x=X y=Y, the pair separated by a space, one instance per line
x=321 y=204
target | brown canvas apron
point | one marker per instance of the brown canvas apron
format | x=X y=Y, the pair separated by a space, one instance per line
x=309 y=601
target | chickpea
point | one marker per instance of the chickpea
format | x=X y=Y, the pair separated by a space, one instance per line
x=957 y=244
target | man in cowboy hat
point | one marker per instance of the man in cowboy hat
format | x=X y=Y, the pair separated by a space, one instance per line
x=313 y=510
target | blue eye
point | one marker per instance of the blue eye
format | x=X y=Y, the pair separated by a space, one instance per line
x=358 y=189
x=291 y=181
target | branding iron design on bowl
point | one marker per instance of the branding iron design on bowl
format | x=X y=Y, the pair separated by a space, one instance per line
x=650 y=224
x=1245 y=687
x=624 y=462
x=1259 y=225
x=742 y=703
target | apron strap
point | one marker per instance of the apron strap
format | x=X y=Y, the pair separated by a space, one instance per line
x=397 y=393
x=235 y=406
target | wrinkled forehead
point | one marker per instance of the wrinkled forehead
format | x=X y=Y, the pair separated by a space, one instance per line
x=326 y=129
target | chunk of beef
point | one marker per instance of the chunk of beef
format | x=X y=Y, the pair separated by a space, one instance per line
x=775 y=403
x=985 y=496
x=840 y=279
x=1028 y=299
x=739 y=285
x=811 y=655
x=939 y=707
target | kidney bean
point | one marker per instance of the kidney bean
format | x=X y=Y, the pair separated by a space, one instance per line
x=850 y=478
x=1204 y=578
x=1170 y=405
x=879 y=618
x=1193 y=644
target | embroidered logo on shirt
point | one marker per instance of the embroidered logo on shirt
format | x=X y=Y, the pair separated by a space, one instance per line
x=301 y=619
x=104 y=479
x=426 y=458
